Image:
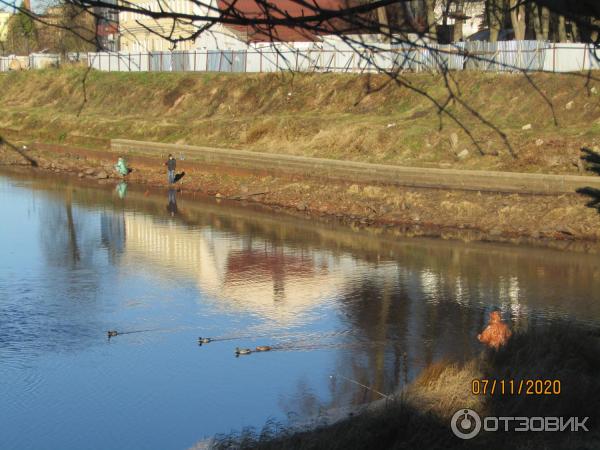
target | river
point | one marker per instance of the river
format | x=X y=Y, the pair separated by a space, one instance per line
x=337 y=306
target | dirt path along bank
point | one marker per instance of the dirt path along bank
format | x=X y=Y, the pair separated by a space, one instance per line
x=560 y=220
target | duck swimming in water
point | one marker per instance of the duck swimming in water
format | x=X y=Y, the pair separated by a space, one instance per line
x=205 y=340
x=242 y=351
x=112 y=333
x=263 y=348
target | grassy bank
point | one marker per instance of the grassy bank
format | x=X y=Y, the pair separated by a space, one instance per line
x=352 y=117
x=420 y=417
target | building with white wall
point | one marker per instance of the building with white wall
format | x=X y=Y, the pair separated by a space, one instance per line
x=472 y=12
x=4 y=19
x=141 y=33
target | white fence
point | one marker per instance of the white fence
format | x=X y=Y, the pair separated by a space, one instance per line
x=33 y=61
x=484 y=56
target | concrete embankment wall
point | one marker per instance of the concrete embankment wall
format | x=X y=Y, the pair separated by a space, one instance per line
x=489 y=181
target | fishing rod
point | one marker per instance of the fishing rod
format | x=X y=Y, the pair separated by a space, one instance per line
x=387 y=397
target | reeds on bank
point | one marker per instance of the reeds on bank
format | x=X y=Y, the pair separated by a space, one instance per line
x=419 y=416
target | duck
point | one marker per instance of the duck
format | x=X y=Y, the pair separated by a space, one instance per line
x=242 y=351
x=263 y=348
x=204 y=340
x=112 y=333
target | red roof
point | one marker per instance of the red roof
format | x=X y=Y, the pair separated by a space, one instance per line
x=250 y=9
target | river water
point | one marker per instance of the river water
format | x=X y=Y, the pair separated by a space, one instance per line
x=335 y=304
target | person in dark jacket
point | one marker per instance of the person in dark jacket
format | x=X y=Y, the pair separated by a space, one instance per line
x=171 y=164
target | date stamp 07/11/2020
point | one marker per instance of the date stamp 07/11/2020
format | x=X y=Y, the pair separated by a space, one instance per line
x=528 y=387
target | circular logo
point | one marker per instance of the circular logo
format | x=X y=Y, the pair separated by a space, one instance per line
x=465 y=424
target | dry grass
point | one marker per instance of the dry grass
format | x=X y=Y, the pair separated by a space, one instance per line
x=443 y=386
x=354 y=117
x=420 y=417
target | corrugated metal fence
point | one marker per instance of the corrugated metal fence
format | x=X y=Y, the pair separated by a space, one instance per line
x=477 y=55
x=33 y=61
x=484 y=56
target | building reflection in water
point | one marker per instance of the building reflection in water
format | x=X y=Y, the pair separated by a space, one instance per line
x=112 y=233
x=378 y=309
x=421 y=304
x=242 y=273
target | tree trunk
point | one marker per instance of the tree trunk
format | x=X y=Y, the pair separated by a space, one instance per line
x=562 y=31
x=517 y=18
x=541 y=21
x=495 y=16
x=545 y=20
x=575 y=37
x=594 y=35
x=536 y=19
x=384 y=27
x=446 y=12
x=458 y=23
x=430 y=10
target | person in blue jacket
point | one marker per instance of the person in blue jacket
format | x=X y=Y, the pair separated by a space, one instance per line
x=121 y=167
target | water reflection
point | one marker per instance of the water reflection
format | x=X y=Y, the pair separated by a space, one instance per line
x=280 y=279
x=112 y=233
x=121 y=189
x=246 y=273
x=333 y=302
x=172 y=205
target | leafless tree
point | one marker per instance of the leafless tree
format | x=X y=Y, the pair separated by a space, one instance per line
x=395 y=20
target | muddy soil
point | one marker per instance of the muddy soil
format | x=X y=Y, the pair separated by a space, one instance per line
x=566 y=221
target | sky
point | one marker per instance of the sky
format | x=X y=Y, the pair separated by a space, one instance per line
x=36 y=5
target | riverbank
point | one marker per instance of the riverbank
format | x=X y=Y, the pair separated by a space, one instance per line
x=535 y=123
x=353 y=118
x=420 y=415
x=560 y=220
